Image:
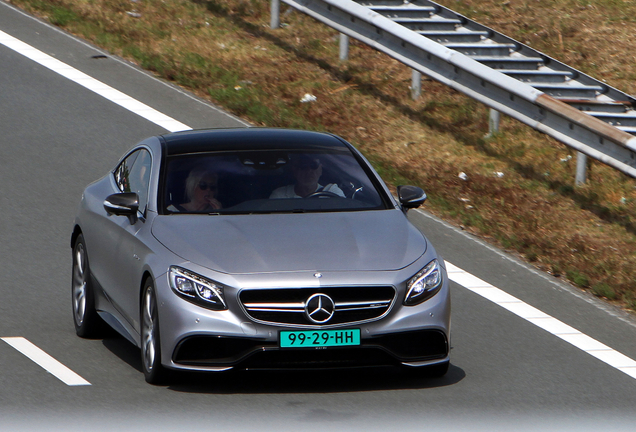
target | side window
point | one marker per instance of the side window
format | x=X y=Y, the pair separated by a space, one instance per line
x=133 y=175
x=122 y=173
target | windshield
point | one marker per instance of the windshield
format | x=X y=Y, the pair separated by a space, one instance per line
x=268 y=181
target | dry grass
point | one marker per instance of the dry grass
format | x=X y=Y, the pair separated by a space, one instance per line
x=594 y=36
x=225 y=51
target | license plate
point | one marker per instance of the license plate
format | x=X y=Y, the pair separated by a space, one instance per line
x=319 y=338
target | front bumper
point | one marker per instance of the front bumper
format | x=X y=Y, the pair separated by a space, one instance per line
x=195 y=338
x=222 y=353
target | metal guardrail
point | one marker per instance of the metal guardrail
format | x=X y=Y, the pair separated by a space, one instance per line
x=508 y=76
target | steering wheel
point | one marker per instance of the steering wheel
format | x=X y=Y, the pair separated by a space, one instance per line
x=323 y=194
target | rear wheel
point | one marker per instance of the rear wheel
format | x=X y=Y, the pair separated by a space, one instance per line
x=88 y=324
x=154 y=372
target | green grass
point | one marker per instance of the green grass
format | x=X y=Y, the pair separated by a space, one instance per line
x=579 y=278
x=604 y=290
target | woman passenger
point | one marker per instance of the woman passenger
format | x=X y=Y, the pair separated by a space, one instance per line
x=201 y=190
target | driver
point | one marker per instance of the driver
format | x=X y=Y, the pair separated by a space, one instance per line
x=307 y=170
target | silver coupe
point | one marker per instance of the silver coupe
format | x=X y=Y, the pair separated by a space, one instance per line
x=257 y=248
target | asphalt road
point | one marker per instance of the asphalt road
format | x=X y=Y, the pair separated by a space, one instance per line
x=56 y=137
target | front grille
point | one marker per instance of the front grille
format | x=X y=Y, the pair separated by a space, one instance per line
x=287 y=305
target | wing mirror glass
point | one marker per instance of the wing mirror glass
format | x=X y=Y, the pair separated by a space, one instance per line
x=411 y=196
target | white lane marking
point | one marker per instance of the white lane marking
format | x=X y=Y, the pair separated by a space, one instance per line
x=92 y=84
x=127 y=64
x=45 y=361
x=542 y=320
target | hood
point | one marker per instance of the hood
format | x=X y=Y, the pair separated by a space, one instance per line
x=339 y=241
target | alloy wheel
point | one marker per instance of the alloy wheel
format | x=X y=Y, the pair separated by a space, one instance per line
x=80 y=276
x=148 y=337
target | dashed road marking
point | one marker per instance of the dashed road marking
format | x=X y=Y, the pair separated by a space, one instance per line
x=542 y=320
x=45 y=361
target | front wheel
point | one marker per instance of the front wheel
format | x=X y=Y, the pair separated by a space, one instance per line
x=154 y=372
x=87 y=322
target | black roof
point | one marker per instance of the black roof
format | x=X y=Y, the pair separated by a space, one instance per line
x=213 y=140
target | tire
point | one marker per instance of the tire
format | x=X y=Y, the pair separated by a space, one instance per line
x=88 y=323
x=154 y=372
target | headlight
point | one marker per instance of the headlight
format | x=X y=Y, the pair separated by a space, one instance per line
x=196 y=288
x=424 y=285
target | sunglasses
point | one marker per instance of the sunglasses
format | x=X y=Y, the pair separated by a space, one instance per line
x=204 y=186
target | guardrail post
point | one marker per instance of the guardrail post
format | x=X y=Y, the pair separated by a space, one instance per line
x=274 y=22
x=416 y=84
x=344 y=47
x=493 y=122
x=581 y=168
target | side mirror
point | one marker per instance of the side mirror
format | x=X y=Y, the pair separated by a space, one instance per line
x=411 y=196
x=123 y=204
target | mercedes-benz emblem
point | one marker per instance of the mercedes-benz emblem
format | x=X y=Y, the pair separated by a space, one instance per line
x=319 y=308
